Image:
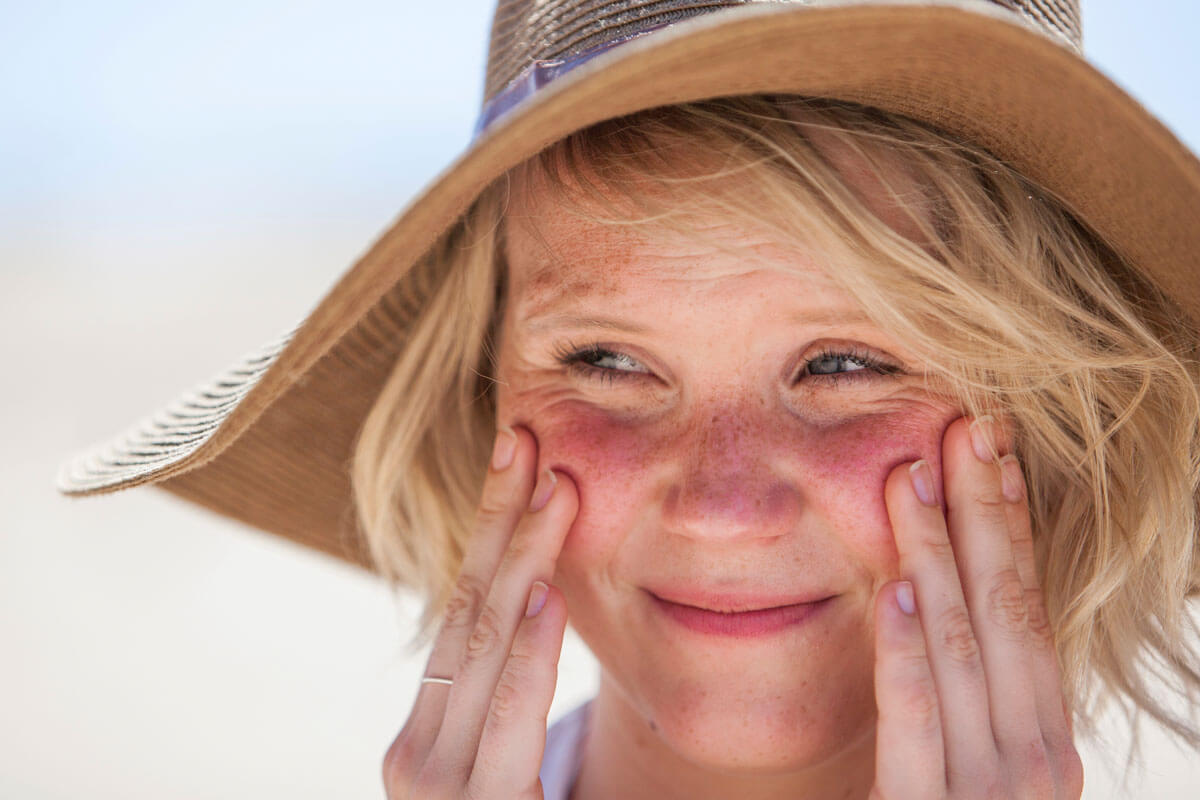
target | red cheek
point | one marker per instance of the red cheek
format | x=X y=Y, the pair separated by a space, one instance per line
x=607 y=458
x=840 y=469
x=852 y=464
x=592 y=443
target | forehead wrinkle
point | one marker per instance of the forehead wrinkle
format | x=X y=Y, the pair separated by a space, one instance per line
x=552 y=284
x=575 y=258
x=567 y=306
x=605 y=264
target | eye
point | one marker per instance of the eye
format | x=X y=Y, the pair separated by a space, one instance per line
x=832 y=366
x=594 y=361
x=855 y=364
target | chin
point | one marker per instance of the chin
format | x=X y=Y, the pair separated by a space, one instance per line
x=757 y=732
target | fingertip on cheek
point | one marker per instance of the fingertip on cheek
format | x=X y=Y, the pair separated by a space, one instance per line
x=898 y=489
x=921 y=482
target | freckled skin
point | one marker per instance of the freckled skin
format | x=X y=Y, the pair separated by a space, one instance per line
x=719 y=470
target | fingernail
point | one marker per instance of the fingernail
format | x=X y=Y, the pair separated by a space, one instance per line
x=922 y=481
x=537 y=598
x=504 y=449
x=1011 y=481
x=905 y=599
x=983 y=432
x=544 y=489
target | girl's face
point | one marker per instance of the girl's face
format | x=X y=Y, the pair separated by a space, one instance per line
x=730 y=440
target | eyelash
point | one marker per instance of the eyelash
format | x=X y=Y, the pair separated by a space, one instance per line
x=575 y=359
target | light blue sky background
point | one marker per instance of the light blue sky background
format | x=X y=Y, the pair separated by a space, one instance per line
x=180 y=182
x=140 y=116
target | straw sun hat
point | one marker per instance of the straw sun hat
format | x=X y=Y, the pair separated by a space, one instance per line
x=270 y=441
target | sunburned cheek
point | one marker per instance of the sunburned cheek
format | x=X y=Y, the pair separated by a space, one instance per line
x=592 y=443
x=607 y=459
x=850 y=467
x=841 y=469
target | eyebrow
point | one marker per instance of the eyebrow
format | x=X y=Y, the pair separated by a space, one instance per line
x=825 y=317
x=550 y=321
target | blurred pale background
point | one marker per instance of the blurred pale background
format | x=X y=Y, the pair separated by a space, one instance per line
x=179 y=183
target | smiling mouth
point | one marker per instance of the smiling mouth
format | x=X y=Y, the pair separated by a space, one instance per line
x=758 y=621
x=735 y=602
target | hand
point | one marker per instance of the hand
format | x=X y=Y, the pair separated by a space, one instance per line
x=484 y=736
x=968 y=688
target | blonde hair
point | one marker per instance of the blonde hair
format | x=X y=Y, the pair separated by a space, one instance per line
x=1012 y=303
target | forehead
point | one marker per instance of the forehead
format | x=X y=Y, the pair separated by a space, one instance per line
x=558 y=257
x=565 y=243
x=562 y=257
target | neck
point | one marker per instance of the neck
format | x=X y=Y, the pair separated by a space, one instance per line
x=623 y=757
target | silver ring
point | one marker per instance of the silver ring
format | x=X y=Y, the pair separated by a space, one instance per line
x=446 y=681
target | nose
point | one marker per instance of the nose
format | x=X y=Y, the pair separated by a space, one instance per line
x=726 y=488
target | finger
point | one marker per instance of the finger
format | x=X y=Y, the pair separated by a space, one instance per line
x=978 y=515
x=506 y=492
x=927 y=560
x=531 y=556
x=909 y=751
x=1052 y=713
x=514 y=735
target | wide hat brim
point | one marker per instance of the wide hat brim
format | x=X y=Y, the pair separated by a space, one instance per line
x=270 y=441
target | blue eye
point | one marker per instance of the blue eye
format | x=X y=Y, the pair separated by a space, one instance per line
x=594 y=361
x=831 y=366
x=823 y=367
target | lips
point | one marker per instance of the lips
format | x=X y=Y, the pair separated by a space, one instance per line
x=754 y=615
x=730 y=602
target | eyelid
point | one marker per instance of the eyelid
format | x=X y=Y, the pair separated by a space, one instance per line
x=568 y=352
x=874 y=364
x=874 y=360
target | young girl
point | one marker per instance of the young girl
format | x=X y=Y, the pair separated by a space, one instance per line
x=849 y=417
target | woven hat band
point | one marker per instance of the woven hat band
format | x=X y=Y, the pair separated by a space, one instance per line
x=526 y=32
